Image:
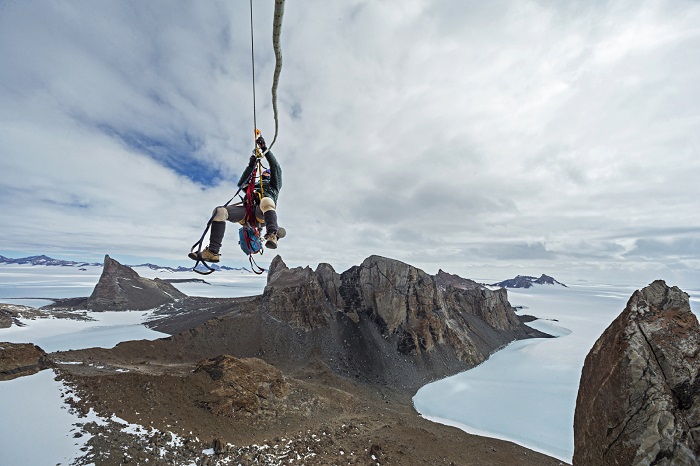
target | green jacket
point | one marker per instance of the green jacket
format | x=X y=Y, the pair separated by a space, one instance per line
x=270 y=188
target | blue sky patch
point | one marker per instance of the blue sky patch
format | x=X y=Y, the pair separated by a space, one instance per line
x=178 y=154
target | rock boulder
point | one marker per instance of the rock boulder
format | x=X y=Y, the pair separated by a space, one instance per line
x=639 y=396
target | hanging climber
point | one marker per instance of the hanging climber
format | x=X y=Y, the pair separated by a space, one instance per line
x=265 y=213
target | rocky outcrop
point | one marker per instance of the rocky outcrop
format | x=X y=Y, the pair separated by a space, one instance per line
x=20 y=359
x=121 y=288
x=247 y=385
x=639 y=396
x=296 y=296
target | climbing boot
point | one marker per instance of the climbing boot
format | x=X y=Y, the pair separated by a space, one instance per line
x=271 y=229
x=207 y=255
x=271 y=240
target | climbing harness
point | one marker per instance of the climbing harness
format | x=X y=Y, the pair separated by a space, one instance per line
x=250 y=222
x=251 y=228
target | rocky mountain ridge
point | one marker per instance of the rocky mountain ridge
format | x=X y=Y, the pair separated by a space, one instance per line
x=45 y=260
x=384 y=323
x=389 y=322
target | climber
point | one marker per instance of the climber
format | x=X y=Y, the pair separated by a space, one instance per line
x=265 y=212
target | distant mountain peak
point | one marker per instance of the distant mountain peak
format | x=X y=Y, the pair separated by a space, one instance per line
x=526 y=281
x=46 y=260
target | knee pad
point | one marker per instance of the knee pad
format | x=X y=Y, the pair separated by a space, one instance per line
x=220 y=214
x=267 y=204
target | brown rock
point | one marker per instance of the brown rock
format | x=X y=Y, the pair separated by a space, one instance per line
x=247 y=385
x=639 y=396
x=20 y=359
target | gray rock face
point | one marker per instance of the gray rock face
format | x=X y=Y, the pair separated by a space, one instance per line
x=121 y=288
x=296 y=296
x=639 y=397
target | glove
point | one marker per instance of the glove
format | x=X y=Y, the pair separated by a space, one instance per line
x=261 y=143
x=252 y=161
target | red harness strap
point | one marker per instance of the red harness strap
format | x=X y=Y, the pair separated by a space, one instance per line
x=250 y=204
x=251 y=219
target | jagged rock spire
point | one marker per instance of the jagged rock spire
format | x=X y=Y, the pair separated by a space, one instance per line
x=639 y=396
x=121 y=288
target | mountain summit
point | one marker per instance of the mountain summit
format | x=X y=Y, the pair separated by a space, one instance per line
x=525 y=281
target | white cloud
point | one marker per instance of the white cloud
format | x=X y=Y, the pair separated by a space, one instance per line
x=447 y=134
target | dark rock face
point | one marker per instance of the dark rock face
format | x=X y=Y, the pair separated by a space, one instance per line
x=121 y=288
x=639 y=397
x=525 y=281
x=20 y=359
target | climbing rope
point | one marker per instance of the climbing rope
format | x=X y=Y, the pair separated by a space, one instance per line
x=252 y=62
x=276 y=32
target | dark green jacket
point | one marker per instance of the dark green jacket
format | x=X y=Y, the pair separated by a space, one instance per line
x=272 y=187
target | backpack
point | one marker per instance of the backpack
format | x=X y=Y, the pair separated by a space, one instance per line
x=249 y=240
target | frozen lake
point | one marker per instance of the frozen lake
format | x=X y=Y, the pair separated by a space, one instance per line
x=526 y=393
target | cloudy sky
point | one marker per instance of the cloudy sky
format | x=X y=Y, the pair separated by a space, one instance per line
x=484 y=138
